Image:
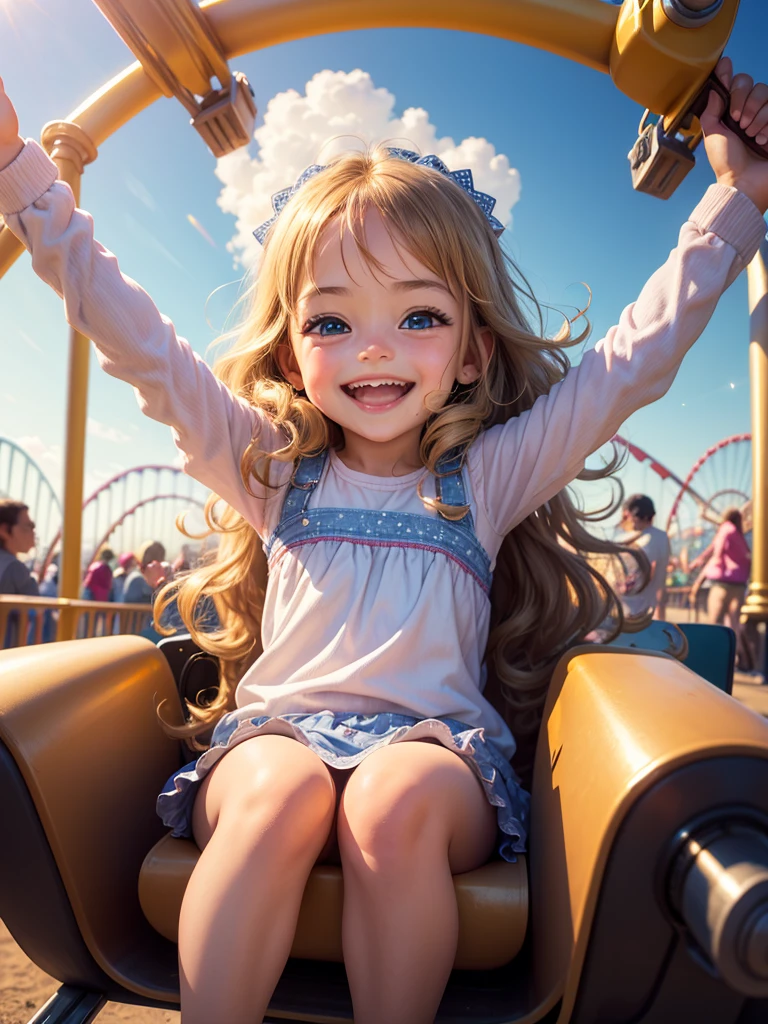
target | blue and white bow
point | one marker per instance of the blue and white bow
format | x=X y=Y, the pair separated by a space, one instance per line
x=463 y=179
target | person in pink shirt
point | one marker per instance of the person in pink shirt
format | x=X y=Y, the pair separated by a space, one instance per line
x=726 y=564
x=389 y=444
x=97 y=583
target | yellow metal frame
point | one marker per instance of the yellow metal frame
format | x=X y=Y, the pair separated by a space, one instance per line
x=659 y=64
x=756 y=605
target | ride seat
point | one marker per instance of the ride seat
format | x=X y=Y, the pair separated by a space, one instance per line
x=634 y=750
x=492 y=901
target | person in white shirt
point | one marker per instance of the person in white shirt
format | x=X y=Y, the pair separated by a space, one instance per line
x=638 y=513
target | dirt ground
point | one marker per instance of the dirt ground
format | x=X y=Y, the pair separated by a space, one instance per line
x=24 y=988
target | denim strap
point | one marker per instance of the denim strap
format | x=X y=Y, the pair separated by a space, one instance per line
x=305 y=478
x=449 y=483
x=301 y=525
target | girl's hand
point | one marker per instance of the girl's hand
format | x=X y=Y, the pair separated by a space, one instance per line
x=733 y=163
x=10 y=142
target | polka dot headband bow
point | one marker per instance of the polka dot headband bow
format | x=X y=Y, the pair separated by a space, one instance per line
x=462 y=178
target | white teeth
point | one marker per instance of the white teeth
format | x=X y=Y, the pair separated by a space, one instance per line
x=373 y=383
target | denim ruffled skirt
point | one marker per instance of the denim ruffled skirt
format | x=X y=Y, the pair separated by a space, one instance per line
x=343 y=741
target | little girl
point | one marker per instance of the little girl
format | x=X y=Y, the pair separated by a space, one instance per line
x=396 y=441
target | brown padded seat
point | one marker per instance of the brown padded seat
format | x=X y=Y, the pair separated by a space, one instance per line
x=493 y=906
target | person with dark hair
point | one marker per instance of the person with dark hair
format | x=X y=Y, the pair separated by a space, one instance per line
x=17 y=537
x=638 y=513
x=726 y=564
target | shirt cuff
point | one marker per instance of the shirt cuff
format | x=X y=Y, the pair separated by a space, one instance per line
x=733 y=217
x=26 y=178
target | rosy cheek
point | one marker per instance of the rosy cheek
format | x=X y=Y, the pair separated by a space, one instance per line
x=318 y=377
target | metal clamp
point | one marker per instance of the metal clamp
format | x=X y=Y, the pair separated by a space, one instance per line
x=180 y=52
x=659 y=160
x=226 y=117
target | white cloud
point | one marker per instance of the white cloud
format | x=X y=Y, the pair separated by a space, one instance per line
x=47 y=456
x=341 y=111
x=23 y=484
x=50 y=458
x=100 y=430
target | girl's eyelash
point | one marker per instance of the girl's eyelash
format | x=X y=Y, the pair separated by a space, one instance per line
x=432 y=311
x=314 y=321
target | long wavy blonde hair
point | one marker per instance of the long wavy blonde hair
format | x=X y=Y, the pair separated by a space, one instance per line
x=547 y=592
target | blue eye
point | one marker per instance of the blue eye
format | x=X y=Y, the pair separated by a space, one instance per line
x=326 y=326
x=424 y=320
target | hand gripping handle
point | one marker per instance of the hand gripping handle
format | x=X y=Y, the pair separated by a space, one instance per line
x=699 y=105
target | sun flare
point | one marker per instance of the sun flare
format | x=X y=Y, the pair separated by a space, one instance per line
x=10 y=10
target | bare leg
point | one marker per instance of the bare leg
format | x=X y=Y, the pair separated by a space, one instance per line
x=261 y=818
x=410 y=816
x=733 y=619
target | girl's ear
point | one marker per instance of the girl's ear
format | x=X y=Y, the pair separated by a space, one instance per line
x=289 y=367
x=479 y=352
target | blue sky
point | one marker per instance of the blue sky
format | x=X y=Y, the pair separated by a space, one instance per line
x=564 y=127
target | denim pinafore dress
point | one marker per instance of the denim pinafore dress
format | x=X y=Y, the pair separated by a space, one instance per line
x=344 y=740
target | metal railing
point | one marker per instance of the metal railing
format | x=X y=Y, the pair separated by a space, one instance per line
x=678 y=598
x=36 y=620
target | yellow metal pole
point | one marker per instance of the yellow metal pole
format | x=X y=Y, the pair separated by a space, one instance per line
x=652 y=60
x=71 y=148
x=756 y=605
x=10 y=248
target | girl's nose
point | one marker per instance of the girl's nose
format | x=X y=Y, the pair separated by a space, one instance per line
x=374 y=352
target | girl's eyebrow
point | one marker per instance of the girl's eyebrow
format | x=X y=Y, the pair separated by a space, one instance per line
x=396 y=286
x=425 y=282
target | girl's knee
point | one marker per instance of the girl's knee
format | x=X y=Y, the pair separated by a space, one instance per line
x=304 y=802
x=270 y=790
x=388 y=820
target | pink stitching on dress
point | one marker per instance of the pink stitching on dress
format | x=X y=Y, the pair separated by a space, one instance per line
x=385 y=544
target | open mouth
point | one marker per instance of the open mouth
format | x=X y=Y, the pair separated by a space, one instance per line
x=377 y=393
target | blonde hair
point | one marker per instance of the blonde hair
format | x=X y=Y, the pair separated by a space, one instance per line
x=546 y=595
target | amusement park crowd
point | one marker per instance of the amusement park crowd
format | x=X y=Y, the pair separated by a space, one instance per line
x=135 y=577
x=721 y=570
x=131 y=578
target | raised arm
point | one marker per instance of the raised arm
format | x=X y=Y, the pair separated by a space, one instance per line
x=703 y=557
x=527 y=460
x=134 y=341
